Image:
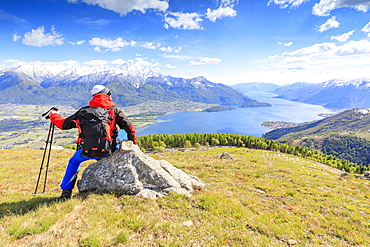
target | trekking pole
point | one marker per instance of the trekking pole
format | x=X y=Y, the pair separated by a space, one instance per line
x=47 y=163
x=48 y=141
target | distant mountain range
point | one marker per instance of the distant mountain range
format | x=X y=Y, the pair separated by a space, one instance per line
x=129 y=84
x=334 y=94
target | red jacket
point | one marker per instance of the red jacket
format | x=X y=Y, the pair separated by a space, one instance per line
x=103 y=101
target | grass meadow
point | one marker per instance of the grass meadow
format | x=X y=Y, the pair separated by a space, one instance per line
x=258 y=198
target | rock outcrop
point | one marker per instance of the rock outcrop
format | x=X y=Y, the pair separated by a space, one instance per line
x=366 y=176
x=225 y=155
x=128 y=171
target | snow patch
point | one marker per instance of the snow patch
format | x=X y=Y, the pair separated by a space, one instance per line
x=364 y=111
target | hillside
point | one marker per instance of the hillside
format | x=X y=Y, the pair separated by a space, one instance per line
x=340 y=135
x=258 y=198
x=354 y=120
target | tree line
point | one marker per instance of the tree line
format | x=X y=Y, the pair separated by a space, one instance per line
x=159 y=142
x=349 y=147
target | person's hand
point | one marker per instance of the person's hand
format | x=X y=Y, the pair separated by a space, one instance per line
x=52 y=111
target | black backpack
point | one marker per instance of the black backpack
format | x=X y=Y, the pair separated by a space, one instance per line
x=94 y=132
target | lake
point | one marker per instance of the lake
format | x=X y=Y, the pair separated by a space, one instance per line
x=239 y=121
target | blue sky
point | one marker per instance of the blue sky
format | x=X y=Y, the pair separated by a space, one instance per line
x=227 y=41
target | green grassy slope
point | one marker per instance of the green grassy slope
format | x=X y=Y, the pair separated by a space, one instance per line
x=260 y=198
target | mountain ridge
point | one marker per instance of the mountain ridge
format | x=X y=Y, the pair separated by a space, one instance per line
x=130 y=84
x=334 y=94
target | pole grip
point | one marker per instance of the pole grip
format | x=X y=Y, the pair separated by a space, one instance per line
x=51 y=109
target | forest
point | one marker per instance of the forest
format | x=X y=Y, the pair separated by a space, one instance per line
x=160 y=142
x=349 y=147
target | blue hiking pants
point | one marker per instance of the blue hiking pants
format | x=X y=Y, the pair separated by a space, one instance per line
x=73 y=168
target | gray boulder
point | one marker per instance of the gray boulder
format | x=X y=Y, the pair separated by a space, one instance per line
x=128 y=171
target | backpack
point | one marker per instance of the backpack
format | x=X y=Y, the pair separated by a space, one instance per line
x=94 y=132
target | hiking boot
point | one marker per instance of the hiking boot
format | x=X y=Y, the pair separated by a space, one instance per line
x=66 y=194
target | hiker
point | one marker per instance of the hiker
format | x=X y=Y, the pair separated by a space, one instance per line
x=101 y=99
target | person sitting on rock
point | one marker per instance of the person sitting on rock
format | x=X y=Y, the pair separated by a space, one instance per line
x=101 y=99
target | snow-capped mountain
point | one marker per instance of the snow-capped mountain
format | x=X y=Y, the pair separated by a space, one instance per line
x=130 y=84
x=359 y=83
x=49 y=74
x=336 y=94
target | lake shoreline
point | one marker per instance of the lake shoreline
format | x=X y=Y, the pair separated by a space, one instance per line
x=238 y=121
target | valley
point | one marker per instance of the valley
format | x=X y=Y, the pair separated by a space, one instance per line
x=22 y=126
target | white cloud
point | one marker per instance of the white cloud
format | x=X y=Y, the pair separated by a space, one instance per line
x=54 y=67
x=179 y=57
x=286 y=3
x=329 y=24
x=166 y=49
x=80 y=42
x=288 y=44
x=169 y=66
x=110 y=45
x=205 y=61
x=118 y=61
x=228 y=2
x=296 y=63
x=39 y=38
x=85 y=67
x=186 y=21
x=145 y=63
x=126 y=6
x=359 y=48
x=343 y=37
x=366 y=29
x=314 y=49
x=16 y=37
x=170 y=49
x=220 y=13
x=96 y=62
x=149 y=45
x=285 y=44
x=316 y=63
x=327 y=55
x=137 y=62
x=324 y=7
